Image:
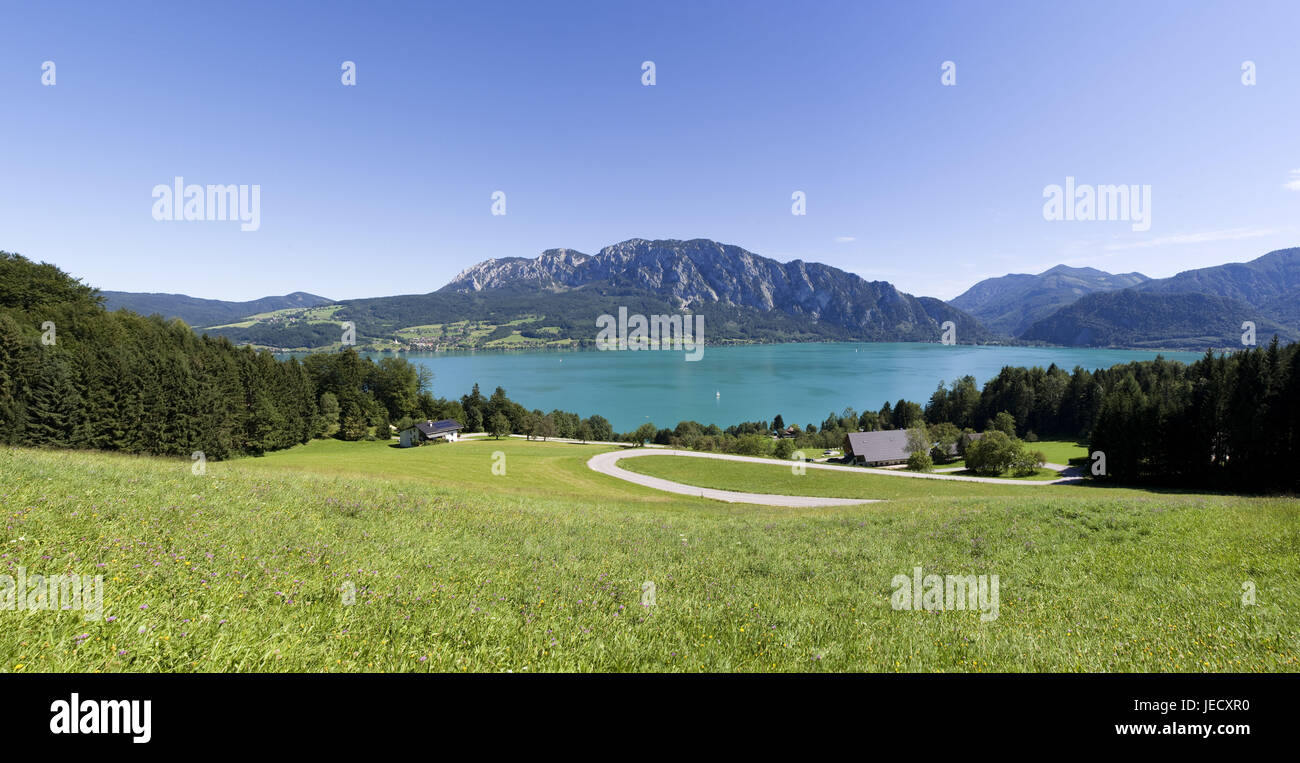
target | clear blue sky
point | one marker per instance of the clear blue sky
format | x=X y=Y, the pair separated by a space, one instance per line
x=385 y=187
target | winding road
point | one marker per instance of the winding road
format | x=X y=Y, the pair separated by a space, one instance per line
x=607 y=463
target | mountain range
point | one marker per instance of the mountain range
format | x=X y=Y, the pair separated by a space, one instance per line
x=1011 y=304
x=552 y=300
x=1194 y=309
x=699 y=272
x=205 y=312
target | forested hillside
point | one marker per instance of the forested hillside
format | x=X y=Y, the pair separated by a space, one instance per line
x=1012 y=303
x=1194 y=309
x=74 y=375
x=1133 y=318
x=204 y=312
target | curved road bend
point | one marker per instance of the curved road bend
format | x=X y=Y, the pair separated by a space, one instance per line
x=607 y=463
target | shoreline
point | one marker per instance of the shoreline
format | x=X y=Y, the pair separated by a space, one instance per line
x=727 y=344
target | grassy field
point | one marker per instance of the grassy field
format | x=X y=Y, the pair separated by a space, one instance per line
x=321 y=314
x=541 y=568
x=1058 y=451
x=780 y=478
x=475 y=333
x=1040 y=474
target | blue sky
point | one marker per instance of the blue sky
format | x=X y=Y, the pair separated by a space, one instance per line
x=385 y=187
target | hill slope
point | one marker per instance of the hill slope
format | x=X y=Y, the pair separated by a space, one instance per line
x=205 y=312
x=449 y=585
x=1194 y=309
x=1258 y=282
x=1011 y=304
x=1133 y=318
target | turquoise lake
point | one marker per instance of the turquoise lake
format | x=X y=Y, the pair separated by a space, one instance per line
x=802 y=382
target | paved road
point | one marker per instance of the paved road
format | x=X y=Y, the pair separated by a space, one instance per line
x=486 y=436
x=607 y=463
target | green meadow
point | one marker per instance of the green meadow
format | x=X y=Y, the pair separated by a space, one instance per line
x=336 y=557
x=781 y=478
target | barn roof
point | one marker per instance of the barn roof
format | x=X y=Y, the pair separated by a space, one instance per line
x=889 y=445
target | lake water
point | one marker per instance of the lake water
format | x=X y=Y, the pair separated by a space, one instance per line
x=802 y=382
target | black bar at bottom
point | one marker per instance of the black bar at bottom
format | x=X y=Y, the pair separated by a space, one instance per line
x=262 y=712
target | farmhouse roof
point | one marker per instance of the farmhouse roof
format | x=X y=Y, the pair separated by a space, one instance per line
x=431 y=428
x=889 y=445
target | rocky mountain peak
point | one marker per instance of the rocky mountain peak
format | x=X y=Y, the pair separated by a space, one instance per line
x=701 y=271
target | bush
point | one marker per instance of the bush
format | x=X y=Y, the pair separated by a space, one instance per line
x=752 y=445
x=996 y=453
x=920 y=461
x=992 y=454
x=644 y=433
x=783 y=449
x=1023 y=463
